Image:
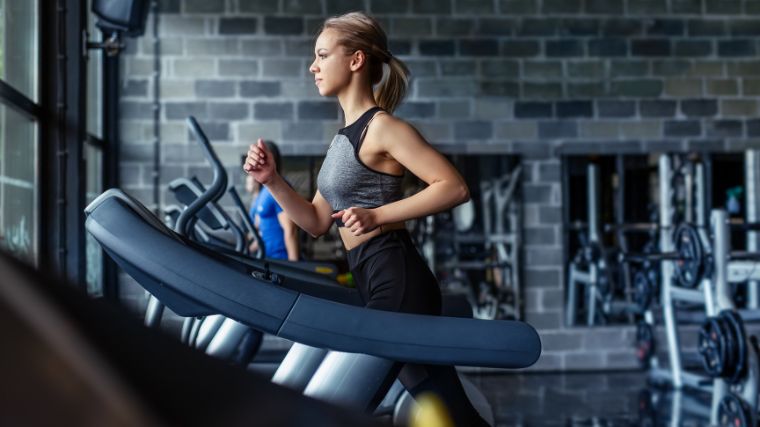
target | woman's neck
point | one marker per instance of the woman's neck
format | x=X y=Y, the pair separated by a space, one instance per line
x=355 y=102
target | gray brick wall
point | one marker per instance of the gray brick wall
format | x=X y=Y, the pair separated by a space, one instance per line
x=538 y=78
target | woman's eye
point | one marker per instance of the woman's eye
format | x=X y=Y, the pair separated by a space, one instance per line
x=322 y=56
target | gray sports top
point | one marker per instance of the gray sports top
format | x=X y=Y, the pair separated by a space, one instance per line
x=345 y=181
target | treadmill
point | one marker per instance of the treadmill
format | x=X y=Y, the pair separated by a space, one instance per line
x=346 y=354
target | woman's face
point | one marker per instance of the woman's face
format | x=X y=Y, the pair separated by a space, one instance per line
x=331 y=66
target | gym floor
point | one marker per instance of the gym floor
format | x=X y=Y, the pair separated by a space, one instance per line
x=585 y=399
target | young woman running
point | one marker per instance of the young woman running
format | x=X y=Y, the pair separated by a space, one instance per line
x=359 y=187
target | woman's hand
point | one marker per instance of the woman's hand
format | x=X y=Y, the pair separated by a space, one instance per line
x=358 y=220
x=259 y=163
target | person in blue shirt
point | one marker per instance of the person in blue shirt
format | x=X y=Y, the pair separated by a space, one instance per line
x=277 y=231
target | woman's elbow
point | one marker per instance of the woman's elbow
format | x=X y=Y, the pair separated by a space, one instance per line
x=463 y=194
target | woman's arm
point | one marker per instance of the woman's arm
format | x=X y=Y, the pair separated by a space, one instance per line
x=290 y=235
x=314 y=217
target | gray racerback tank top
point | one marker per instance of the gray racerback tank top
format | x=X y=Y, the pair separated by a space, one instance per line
x=345 y=181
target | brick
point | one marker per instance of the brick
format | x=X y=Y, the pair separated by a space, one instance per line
x=134 y=87
x=564 y=48
x=586 y=69
x=733 y=48
x=266 y=130
x=607 y=47
x=273 y=110
x=699 y=107
x=299 y=48
x=238 y=26
x=453 y=109
x=538 y=27
x=750 y=86
x=412 y=27
x=723 y=7
x=738 y=107
x=215 y=131
x=317 y=110
x=659 y=108
x=479 y=47
x=335 y=7
x=683 y=87
x=579 y=27
x=647 y=7
x=228 y=110
x=557 y=129
x=540 y=235
x=437 y=88
x=650 y=47
x=707 y=69
x=665 y=27
x=546 y=278
x=301 y=7
x=640 y=129
x=518 y=7
x=516 y=130
x=600 y=130
x=458 y=68
x=389 y=6
x=416 y=110
x=496 y=27
x=725 y=129
x=636 y=88
x=437 y=47
x=238 y=67
x=283 y=25
x=587 y=90
x=743 y=69
x=744 y=27
x=682 y=128
x=474 y=6
x=668 y=67
x=753 y=127
x=701 y=27
x=550 y=7
x=211 y=47
x=542 y=256
x=567 y=109
x=252 y=89
x=520 y=48
x=174 y=25
x=258 y=6
x=616 y=108
x=282 y=68
x=180 y=110
x=454 y=26
x=214 y=88
x=542 y=90
x=424 y=68
x=612 y=7
x=634 y=68
x=204 y=6
x=752 y=7
x=561 y=341
x=499 y=68
x=542 y=70
x=262 y=47
x=686 y=6
x=470 y=130
x=533 y=110
x=622 y=27
x=693 y=48
x=400 y=47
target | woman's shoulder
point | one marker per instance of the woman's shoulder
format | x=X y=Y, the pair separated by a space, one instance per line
x=388 y=124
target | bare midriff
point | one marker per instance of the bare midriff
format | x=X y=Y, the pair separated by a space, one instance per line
x=350 y=241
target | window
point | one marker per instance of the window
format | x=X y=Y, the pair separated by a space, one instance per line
x=18 y=184
x=94 y=161
x=18 y=54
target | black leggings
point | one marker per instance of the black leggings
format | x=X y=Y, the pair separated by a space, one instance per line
x=391 y=275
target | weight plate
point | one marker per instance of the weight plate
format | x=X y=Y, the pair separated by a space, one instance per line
x=689 y=269
x=734 y=412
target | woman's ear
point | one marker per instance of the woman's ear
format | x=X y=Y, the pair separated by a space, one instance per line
x=358 y=59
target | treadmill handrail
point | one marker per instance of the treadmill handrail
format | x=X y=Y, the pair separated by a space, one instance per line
x=172 y=269
x=218 y=185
